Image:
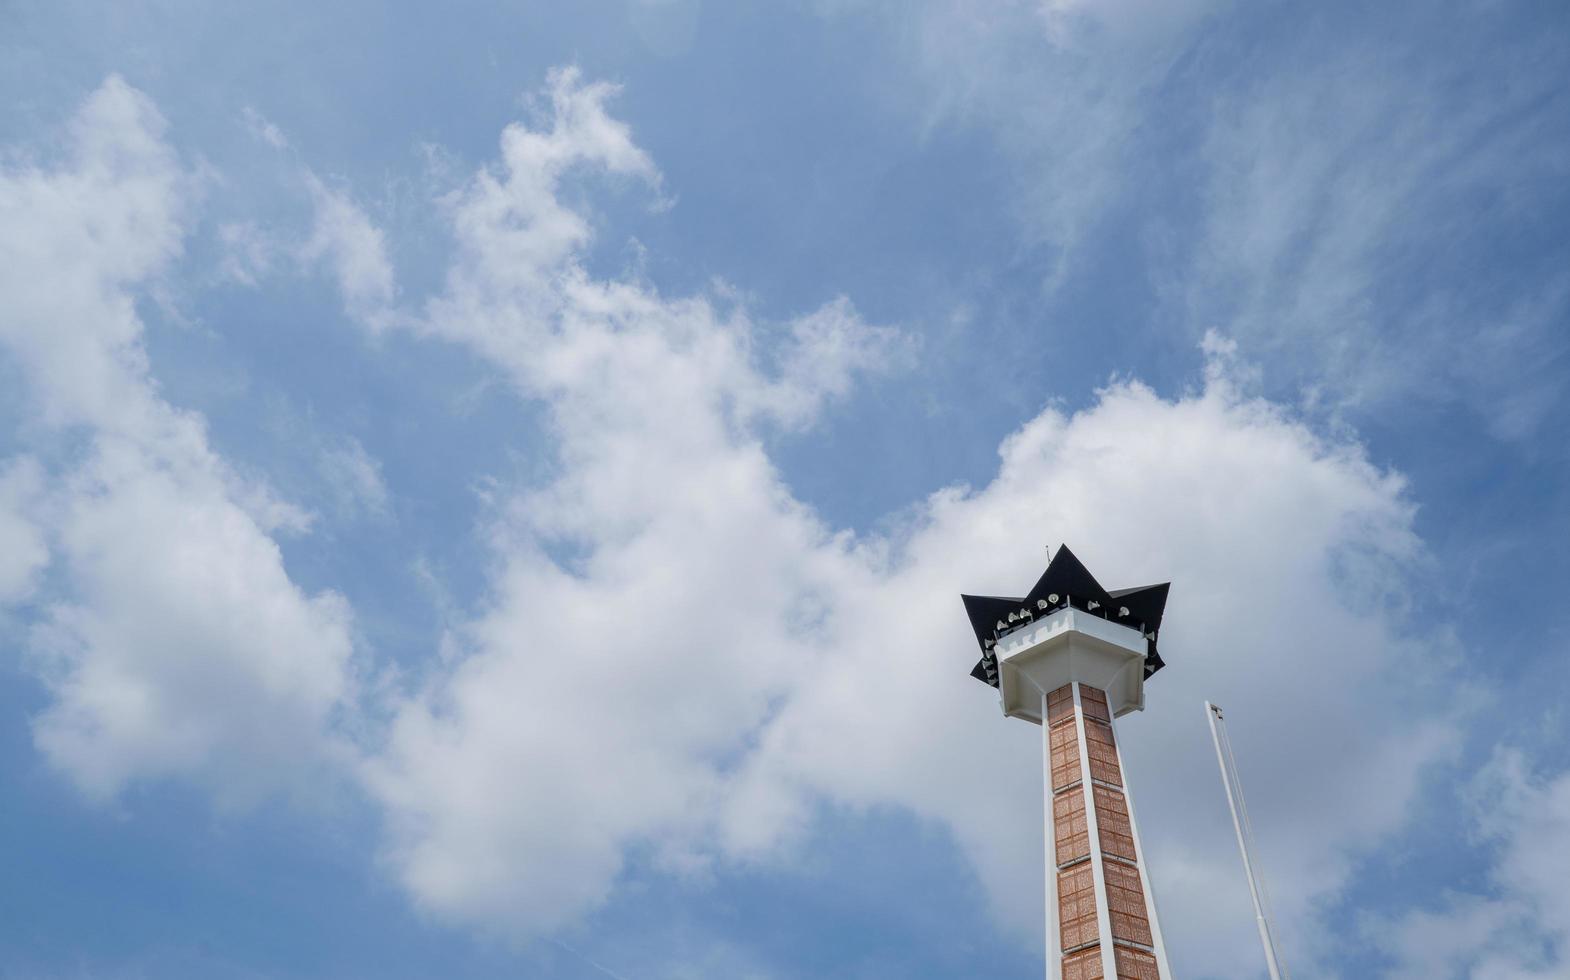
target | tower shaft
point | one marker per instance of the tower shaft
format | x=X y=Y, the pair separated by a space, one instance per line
x=1100 y=909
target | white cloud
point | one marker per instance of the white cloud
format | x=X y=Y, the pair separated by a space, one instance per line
x=1341 y=188
x=355 y=478
x=1521 y=927
x=1282 y=549
x=342 y=239
x=651 y=399
x=1340 y=194
x=180 y=646
x=264 y=129
x=353 y=248
x=819 y=362
x=23 y=548
x=679 y=657
x=1063 y=86
x=185 y=649
x=248 y=253
x=72 y=240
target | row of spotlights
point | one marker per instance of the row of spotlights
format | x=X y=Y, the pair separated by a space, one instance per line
x=1048 y=603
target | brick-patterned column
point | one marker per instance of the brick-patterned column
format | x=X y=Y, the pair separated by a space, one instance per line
x=1103 y=918
x=1158 y=946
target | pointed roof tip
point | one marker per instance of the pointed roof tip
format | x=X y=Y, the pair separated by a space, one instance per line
x=1067 y=575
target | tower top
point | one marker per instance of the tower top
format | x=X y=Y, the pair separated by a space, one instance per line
x=1067 y=594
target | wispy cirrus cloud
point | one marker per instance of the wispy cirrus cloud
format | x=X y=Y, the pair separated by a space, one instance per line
x=1344 y=202
x=1324 y=204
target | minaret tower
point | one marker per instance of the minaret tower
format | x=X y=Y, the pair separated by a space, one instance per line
x=1071 y=656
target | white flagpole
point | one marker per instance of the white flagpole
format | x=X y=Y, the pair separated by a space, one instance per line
x=1245 y=835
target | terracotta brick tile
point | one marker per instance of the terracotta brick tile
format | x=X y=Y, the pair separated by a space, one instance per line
x=1064 y=743
x=1060 y=705
x=1093 y=701
x=1117 y=833
x=1083 y=965
x=1077 y=923
x=1135 y=964
x=1103 y=753
x=1072 y=831
x=1126 y=901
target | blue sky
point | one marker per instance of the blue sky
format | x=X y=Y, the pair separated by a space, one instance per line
x=484 y=490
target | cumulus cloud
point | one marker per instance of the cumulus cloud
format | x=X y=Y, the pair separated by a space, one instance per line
x=342 y=241
x=179 y=646
x=185 y=649
x=23 y=549
x=681 y=659
x=354 y=477
x=353 y=248
x=652 y=400
x=824 y=354
x=74 y=239
x=1283 y=549
x=1520 y=927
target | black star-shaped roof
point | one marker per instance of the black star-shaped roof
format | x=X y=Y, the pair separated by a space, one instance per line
x=1066 y=582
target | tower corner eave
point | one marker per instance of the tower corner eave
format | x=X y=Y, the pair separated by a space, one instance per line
x=1069 y=646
